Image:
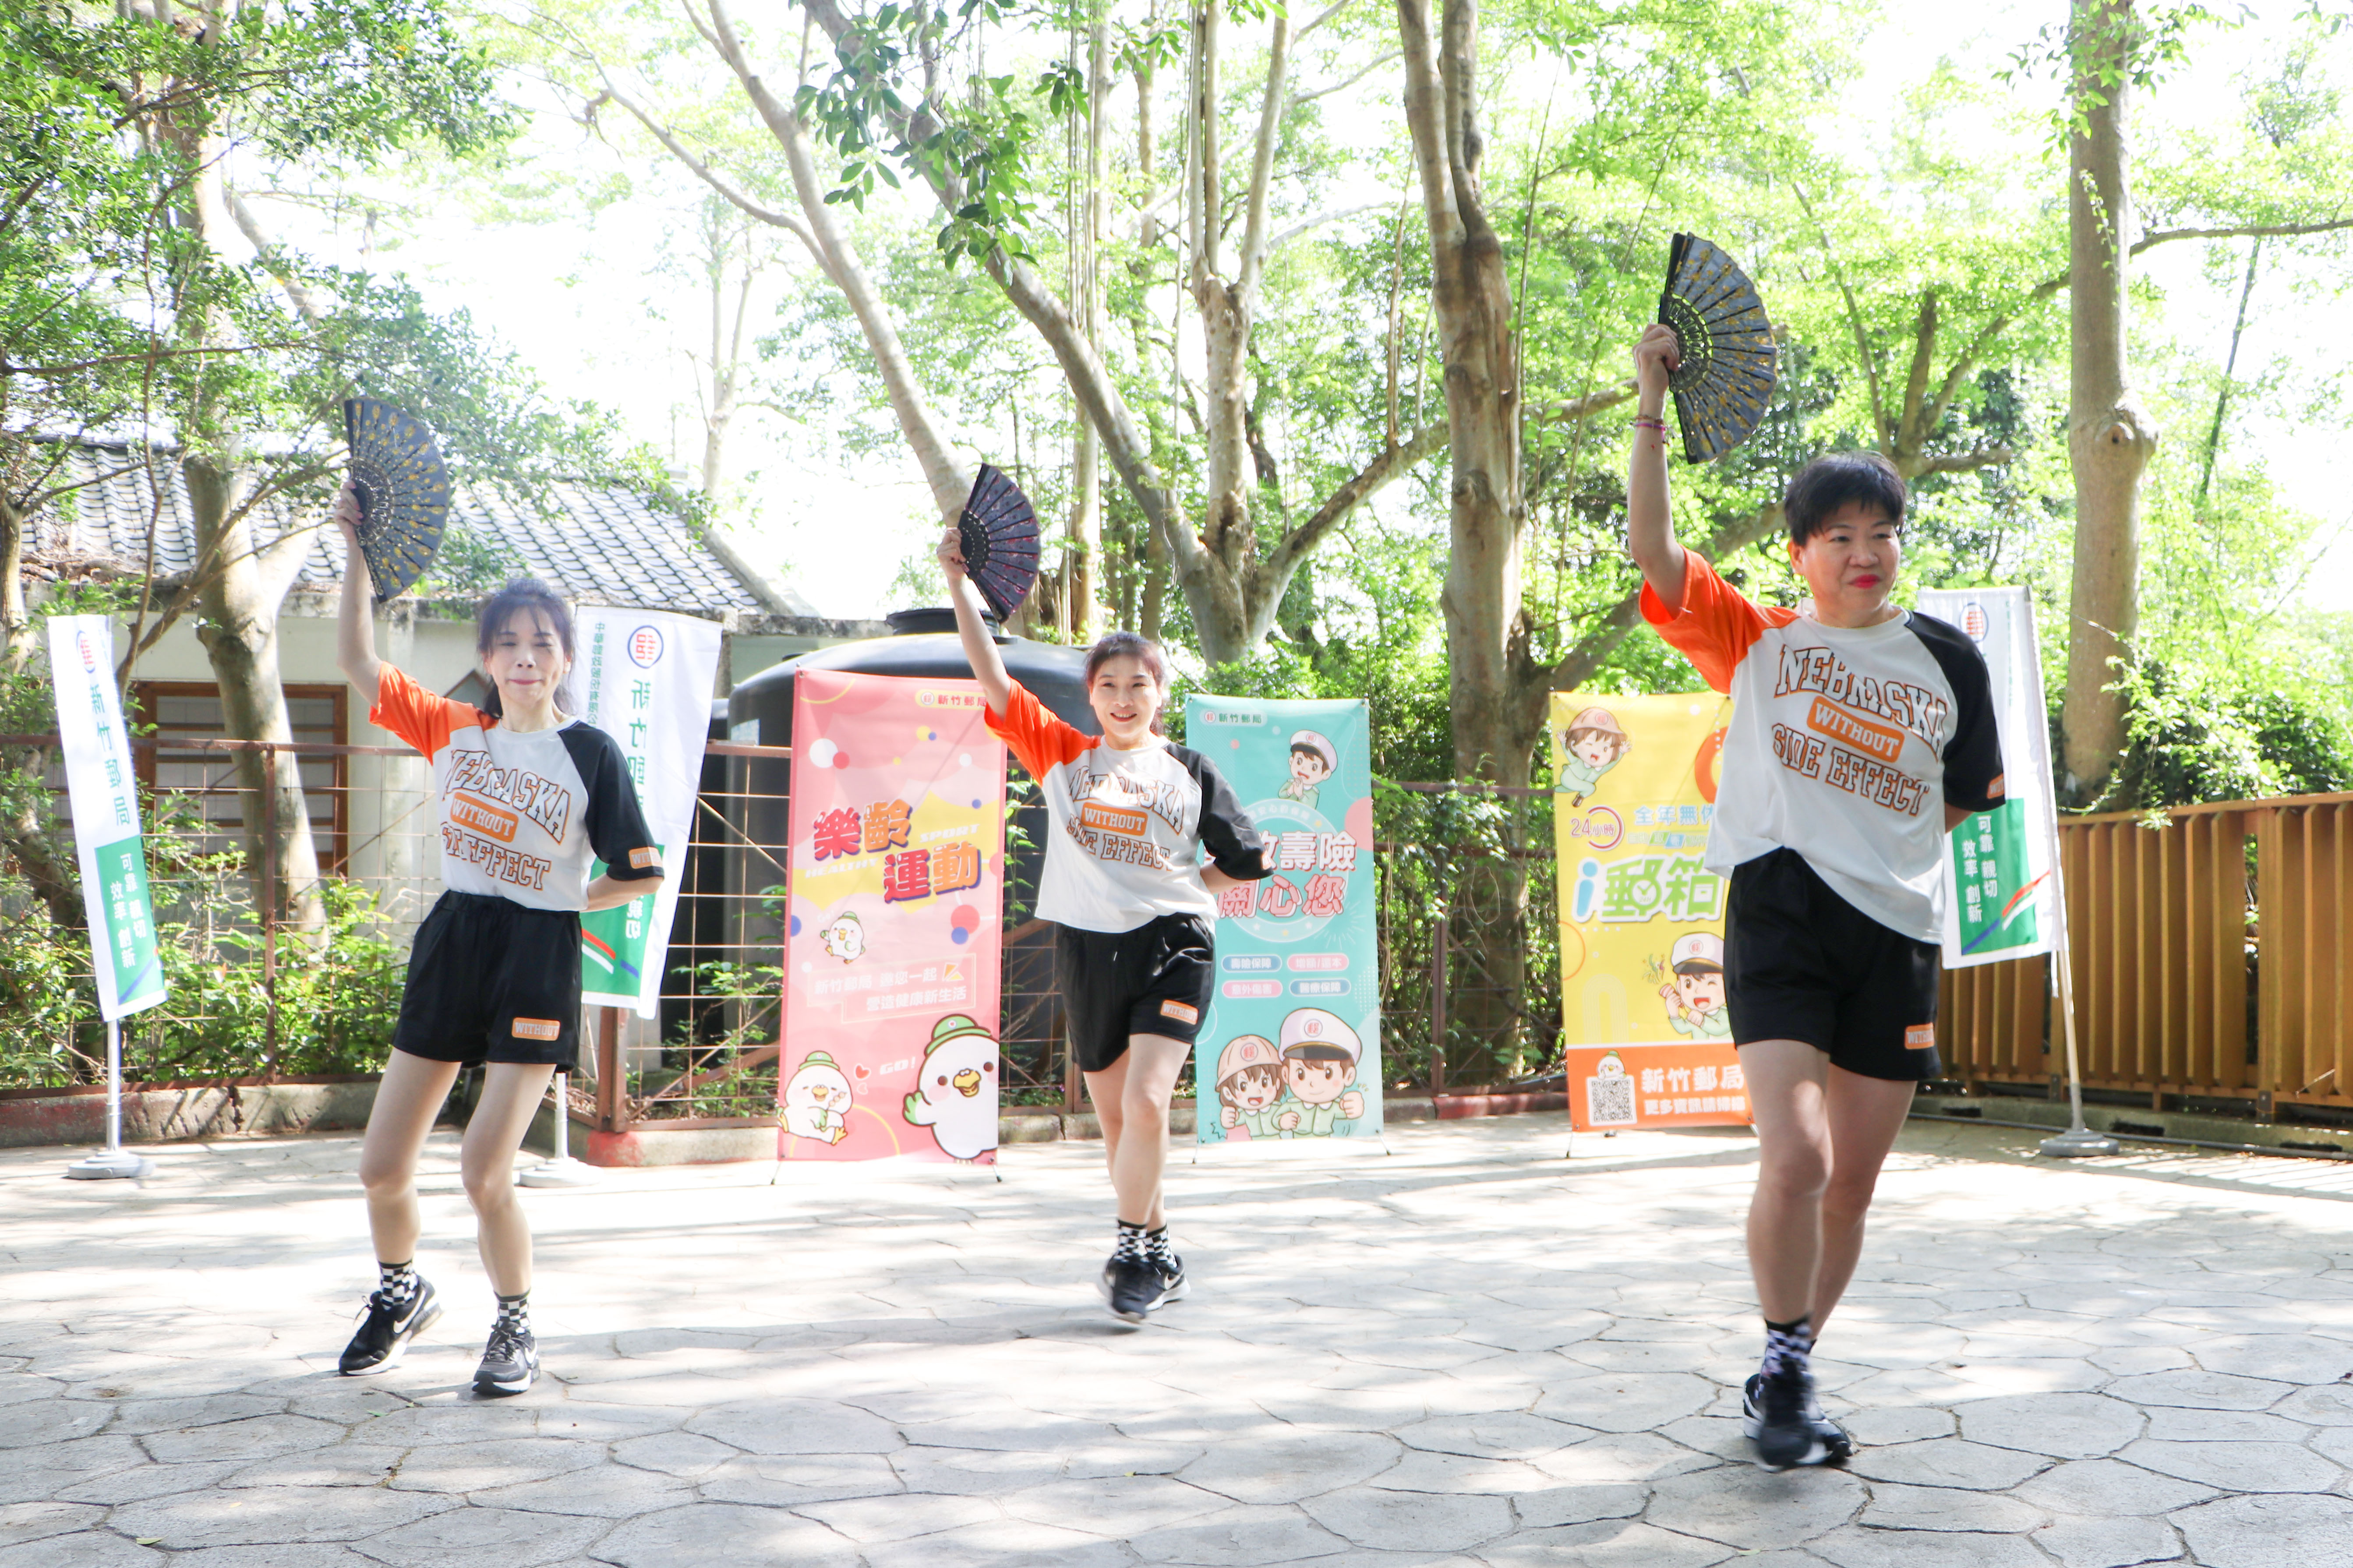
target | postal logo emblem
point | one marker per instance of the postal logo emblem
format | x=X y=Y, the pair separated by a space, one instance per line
x=646 y=647
x=1183 y=1012
x=641 y=858
x=1920 y=1038
x=537 y=1028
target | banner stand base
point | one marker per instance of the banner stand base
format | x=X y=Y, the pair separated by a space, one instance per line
x=2078 y=1143
x=564 y=1172
x=110 y=1164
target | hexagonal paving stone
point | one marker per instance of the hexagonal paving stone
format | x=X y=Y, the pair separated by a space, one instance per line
x=2108 y=1542
x=1613 y=1457
x=1947 y=1462
x=1245 y=1537
x=1896 y=1507
x=2107 y=1488
x=137 y=1484
x=1001 y=1543
x=2284 y=1358
x=1879 y=1427
x=341 y=1465
x=596 y=1491
x=1502 y=1435
x=796 y=1426
x=247 y=1439
x=87 y=1549
x=1852 y=1546
x=2237 y=1466
x=460 y=1467
x=1626 y=1402
x=2271 y=1532
x=1747 y=1507
x=2174 y=1424
x=2064 y=1425
x=685 y=1453
x=266 y=1515
x=1112 y=1504
x=2201 y=1390
x=723 y=1535
x=23 y=1521
x=1614 y=1544
x=901 y=1516
x=482 y=1537
x=138 y=1416
x=1292 y=1466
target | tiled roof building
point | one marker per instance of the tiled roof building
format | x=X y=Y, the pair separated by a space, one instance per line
x=607 y=546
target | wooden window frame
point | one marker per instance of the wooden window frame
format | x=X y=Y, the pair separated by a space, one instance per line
x=146 y=699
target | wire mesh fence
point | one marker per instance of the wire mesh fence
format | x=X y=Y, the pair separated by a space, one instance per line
x=308 y=981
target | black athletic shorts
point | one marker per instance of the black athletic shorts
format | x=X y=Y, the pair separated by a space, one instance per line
x=1802 y=964
x=1153 y=979
x=489 y=980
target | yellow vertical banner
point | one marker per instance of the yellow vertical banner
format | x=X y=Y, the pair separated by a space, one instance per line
x=1647 y=1033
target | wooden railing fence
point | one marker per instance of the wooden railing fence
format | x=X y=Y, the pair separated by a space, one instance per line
x=2211 y=948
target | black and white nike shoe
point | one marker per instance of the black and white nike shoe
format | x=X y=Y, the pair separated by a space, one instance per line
x=1172 y=1278
x=386 y=1326
x=1788 y=1433
x=1132 y=1286
x=509 y=1363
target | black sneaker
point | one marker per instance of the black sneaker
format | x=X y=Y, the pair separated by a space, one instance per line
x=1133 y=1287
x=1780 y=1415
x=510 y=1363
x=386 y=1328
x=1171 y=1279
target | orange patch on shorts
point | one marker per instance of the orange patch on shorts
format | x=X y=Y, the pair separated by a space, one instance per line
x=537 y=1028
x=641 y=858
x=1183 y=1012
x=1920 y=1038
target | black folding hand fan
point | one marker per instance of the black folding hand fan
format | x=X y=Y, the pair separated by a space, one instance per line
x=999 y=534
x=403 y=493
x=1726 y=373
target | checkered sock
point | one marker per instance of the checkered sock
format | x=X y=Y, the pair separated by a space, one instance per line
x=514 y=1312
x=398 y=1281
x=1788 y=1345
x=1156 y=1250
x=1129 y=1247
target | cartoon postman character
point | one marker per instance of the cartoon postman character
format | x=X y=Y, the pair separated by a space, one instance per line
x=1694 y=997
x=1592 y=744
x=1250 y=1082
x=1313 y=760
x=1319 y=1067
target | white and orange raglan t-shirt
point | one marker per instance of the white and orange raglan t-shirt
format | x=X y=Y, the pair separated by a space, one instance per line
x=523 y=816
x=1845 y=744
x=1125 y=830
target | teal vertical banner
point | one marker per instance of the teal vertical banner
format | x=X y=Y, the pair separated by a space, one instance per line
x=1291 y=1047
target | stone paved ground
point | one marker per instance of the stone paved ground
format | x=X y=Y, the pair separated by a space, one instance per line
x=1466 y=1352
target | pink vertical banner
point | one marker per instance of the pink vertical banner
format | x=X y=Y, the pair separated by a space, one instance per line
x=892 y=945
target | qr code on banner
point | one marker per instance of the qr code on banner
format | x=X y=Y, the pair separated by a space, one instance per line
x=1609 y=1101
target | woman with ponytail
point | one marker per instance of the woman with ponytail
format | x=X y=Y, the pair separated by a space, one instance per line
x=528 y=795
x=1129 y=815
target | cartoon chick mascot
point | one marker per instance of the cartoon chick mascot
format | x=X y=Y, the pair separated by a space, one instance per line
x=816 y=1100
x=956 y=1089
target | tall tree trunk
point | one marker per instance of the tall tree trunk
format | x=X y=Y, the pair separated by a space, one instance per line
x=241 y=597
x=241 y=587
x=1489 y=666
x=2111 y=436
x=1084 y=585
